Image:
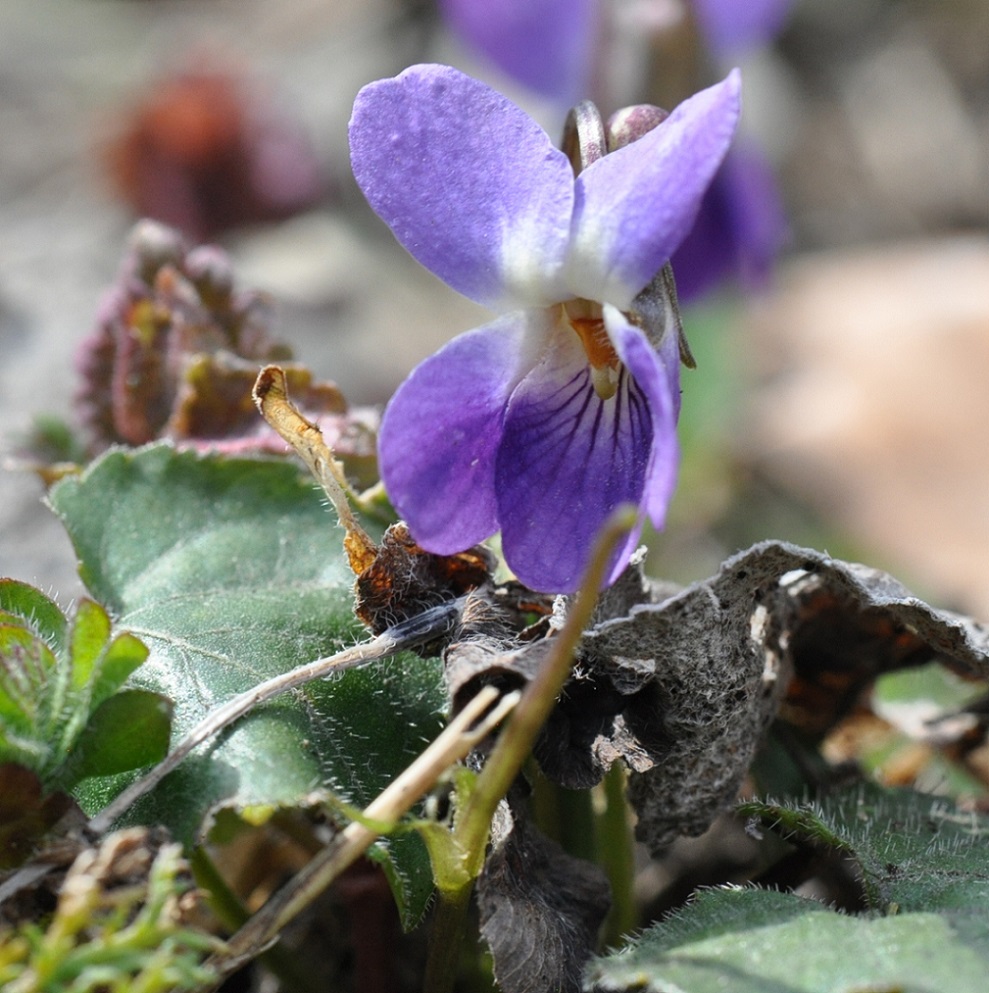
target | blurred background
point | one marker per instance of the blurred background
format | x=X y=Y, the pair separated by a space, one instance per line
x=841 y=393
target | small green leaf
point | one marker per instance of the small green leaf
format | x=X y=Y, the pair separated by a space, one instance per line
x=232 y=571
x=129 y=730
x=26 y=665
x=931 y=684
x=40 y=613
x=90 y=633
x=119 y=661
x=114 y=928
x=49 y=683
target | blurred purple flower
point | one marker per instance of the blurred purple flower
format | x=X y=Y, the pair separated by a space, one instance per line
x=551 y=46
x=733 y=26
x=547 y=45
x=540 y=423
x=739 y=230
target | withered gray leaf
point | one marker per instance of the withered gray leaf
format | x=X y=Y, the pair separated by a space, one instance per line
x=540 y=911
x=723 y=653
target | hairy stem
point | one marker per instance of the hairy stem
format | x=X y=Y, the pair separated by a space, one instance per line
x=446 y=938
x=538 y=699
x=418 y=630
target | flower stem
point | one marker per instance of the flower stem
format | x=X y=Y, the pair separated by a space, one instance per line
x=577 y=829
x=473 y=824
x=406 y=634
x=446 y=938
x=478 y=719
x=566 y=816
x=538 y=699
x=616 y=855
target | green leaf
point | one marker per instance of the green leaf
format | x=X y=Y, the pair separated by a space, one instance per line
x=51 y=683
x=930 y=684
x=906 y=845
x=26 y=667
x=39 y=612
x=128 y=730
x=925 y=879
x=90 y=634
x=232 y=571
x=123 y=656
x=761 y=941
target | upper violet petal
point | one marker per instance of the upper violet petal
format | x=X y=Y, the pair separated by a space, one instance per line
x=731 y=26
x=567 y=459
x=546 y=45
x=657 y=375
x=468 y=183
x=634 y=206
x=441 y=431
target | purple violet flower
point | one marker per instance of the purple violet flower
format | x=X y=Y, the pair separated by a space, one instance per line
x=540 y=423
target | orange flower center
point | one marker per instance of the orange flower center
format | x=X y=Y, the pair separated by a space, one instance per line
x=586 y=319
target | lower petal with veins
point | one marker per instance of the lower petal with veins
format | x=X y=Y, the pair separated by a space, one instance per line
x=567 y=459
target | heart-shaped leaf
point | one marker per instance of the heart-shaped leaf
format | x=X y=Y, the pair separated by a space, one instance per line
x=232 y=571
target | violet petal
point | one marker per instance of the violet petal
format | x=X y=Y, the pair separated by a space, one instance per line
x=657 y=375
x=468 y=183
x=566 y=461
x=441 y=431
x=634 y=206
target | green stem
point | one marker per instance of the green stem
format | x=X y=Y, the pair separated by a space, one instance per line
x=222 y=900
x=565 y=816
x=616 y=854
x=515 y=742
x=544 y=804
x=577 y=827
x=446 y=938
x=471 y=726
x=470 y=833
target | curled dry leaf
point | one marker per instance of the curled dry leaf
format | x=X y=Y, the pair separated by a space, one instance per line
x=730 y=651
x=270 y=395
x=175 y=353
x=404 y=579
